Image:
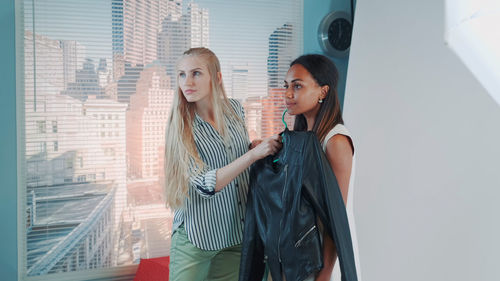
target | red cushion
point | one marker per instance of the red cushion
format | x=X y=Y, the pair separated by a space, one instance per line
x=155 y=269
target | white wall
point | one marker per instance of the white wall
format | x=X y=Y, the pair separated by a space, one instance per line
x=427 y=193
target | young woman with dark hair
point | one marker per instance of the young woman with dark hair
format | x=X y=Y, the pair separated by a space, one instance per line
x=311 y=95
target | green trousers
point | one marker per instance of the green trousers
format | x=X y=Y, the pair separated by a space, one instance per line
x=187 y=262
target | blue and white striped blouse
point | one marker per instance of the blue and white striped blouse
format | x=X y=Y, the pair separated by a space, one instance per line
x=215 y=220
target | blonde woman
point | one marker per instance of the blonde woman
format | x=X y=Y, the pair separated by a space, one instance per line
x=207 y=158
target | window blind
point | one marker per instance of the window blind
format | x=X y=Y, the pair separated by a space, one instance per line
x=99 y=80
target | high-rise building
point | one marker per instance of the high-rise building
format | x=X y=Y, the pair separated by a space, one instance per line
x=197 y=26
x=73 y=59
x=239 y=82
x=86 y=84
x=172 y=42
x=73 y=172
x=253 y=117
x=179 y=33
x=126 y=84
x=174 y=9
x=68 y=147
x=145 y=84
x=117 y=28
x=106 y=119
x=104 y=73
x=135 y=27
x=146 y=121
x=72 y=223
x=143 y=32
x=45 y=74
x=273 y=107
x=131 y=20
x=282 y=51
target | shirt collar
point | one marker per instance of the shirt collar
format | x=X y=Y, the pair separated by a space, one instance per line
x=198 y=119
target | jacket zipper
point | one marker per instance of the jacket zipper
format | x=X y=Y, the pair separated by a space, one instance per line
x=282 y=200
x=304 y=236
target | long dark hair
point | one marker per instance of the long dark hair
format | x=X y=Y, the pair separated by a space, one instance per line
x=324 y=71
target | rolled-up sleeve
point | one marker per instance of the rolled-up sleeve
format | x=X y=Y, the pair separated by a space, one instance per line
x=204 y=183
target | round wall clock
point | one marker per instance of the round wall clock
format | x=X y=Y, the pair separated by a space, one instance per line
x=335 y=33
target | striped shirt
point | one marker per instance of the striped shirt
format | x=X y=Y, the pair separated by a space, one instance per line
x=215 y=220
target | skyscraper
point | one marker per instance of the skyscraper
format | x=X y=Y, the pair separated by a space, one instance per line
x=104 y=73
x=45 y=74
x=73 y=59
x=135 y=27
x=239 y=82
x=117 y=27
x=282 y=50
x=273 y=107
x=72 y=148
x=146 y=121
x=127 y=81
x=179 y=33
x=197 y=25
x=86 y=84
x=144 y=32
x=174 y=9
x=253 y=117
x=172 y=42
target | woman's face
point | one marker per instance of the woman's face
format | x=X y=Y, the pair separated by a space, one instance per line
x=194 y=79
x=302 y=92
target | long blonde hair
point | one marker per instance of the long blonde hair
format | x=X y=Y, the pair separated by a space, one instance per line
x=181 y=155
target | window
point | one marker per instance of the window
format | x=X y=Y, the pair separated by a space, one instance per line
x=54 y=126
x=69 y=163
x=42 y=147
x=98 y=62
x=40 y=125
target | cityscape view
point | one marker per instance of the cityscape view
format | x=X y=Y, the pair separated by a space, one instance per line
x=95 y=120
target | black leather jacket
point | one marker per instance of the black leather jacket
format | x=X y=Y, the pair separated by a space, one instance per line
x=284 y=200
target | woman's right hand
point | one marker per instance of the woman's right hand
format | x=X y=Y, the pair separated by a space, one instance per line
x=267 y=147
